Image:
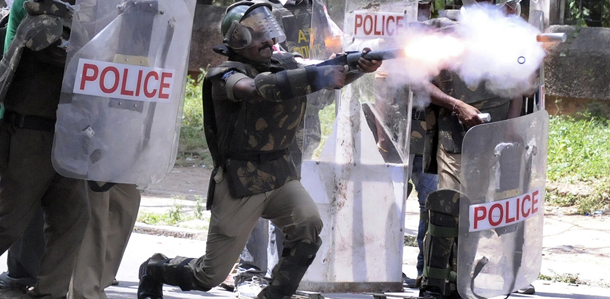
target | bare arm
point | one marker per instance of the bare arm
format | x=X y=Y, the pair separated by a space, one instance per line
x=467 y=114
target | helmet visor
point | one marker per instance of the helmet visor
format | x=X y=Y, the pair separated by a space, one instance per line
x=262 y=25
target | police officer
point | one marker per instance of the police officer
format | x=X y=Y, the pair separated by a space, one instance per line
x=455 y=109
x=23 y=258
x=32 y=71
x=265 y=242
x=253 y=105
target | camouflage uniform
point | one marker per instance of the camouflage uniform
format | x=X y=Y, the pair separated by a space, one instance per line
x=32 y=72
x=296 y=22
x=254 y=177
x=259 y=254
x=443 y=145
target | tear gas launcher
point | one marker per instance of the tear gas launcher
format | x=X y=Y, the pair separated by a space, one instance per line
x=350 y=58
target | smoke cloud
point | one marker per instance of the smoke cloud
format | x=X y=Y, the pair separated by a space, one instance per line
x=484 y=45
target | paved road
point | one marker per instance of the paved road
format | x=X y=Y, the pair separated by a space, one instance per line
x=142 y=246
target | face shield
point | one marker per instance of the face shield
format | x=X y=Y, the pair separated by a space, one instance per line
x=513 y=7
x=257 y=25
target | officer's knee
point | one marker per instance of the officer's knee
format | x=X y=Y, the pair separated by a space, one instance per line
x=314 y=225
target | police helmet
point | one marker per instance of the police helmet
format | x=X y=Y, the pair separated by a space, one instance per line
x=246 y=22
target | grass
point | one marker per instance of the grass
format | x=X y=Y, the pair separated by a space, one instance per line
x=193 y=149
x=578 y=148
x=578 y=154
x=177 y=214
x=564 y=278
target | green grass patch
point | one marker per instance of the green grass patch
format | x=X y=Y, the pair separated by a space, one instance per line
x=177 y=213
x=578 y=154
x=578 y=148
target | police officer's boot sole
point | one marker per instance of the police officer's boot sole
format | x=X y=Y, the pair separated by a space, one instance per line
x=149 y=287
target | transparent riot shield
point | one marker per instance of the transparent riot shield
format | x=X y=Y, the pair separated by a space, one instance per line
x=119 y=114
x=501 y=215
x=536 y=102
x=360 y=193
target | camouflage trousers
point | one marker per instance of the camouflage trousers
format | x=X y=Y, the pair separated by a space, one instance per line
x=449 y=169
x=289 y=207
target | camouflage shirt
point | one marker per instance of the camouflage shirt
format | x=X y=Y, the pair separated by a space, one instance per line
x=253 y=137
x=443 y=126
x=39 y=34
x=451 y=131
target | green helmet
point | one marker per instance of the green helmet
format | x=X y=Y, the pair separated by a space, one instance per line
x=246 y=22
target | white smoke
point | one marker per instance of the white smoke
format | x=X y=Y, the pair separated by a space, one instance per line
x=484 y=45
x=501 y=50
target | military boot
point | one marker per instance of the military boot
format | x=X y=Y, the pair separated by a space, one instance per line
x=159 y=269
x=289 y=271
x=151 y=277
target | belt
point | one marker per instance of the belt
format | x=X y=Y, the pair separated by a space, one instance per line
x=29 y=121
x=262 y=157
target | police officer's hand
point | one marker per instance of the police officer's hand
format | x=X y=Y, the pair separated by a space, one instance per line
x=467 y=114
x=336 y=76
x=368 y=66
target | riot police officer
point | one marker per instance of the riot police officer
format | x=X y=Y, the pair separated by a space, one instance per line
x=253 y=105
x=456 y=108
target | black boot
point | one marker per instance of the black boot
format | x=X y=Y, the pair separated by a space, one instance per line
x=289 y=271
x=151 y=277
x=158 y=270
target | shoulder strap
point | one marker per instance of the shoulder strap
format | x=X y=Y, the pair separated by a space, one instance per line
x=209 y=117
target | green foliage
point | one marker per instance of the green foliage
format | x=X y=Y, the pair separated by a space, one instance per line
x=175 y=212
x=193 y=147
x=587 y=13
x=578 y=153
x=578 y=148
x=199 y=207
x=565 y=278
x=598 y=200
x=192 y=113
x=327 y=120
x=544 y=277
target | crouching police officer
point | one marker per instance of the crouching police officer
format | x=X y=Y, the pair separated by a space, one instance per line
x=254 y=104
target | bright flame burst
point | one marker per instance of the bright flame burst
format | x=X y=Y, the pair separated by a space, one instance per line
x=434 y=49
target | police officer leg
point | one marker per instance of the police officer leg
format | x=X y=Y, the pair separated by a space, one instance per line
x=23 y=260
x=67 y=212
x=293 y=210
x=232 y=222
x=440 y=245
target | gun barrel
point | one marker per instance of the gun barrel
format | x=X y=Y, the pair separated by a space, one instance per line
x=386 y=54
x=551 y=37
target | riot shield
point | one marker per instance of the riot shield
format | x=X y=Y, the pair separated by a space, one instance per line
x=120 y=110
x=501 y=215
x=360 y=194
x=536 y=102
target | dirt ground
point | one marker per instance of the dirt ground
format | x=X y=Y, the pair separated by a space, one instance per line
x=185 y=182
